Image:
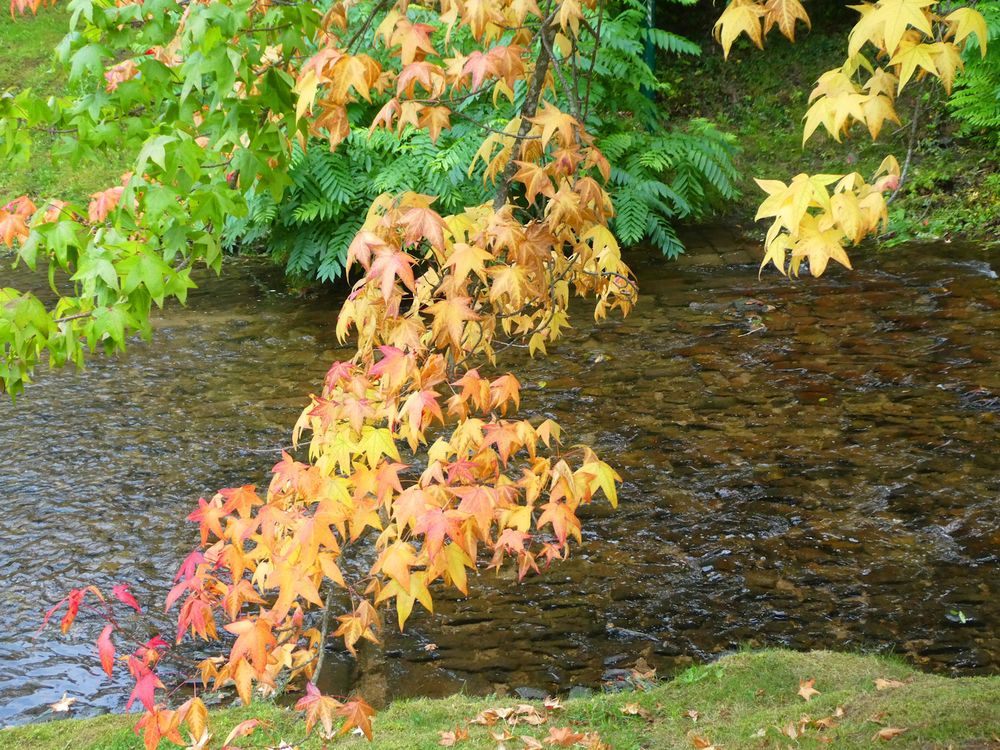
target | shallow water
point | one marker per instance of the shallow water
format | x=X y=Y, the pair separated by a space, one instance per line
x=823 y=474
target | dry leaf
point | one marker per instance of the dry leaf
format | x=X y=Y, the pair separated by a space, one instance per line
x=888 y=733
x=827 y=723
x=790 y=731
x=759 y=692
x=450 y=739
x=839 y=712
x=63 y=704
x=806 y=689
x=562 y=737
x=502 y=736
x=701 y=743
x=692 y=714
x=553 y=704
x=431 y=647
x=883 y=684
x=634 y=709
x=530 y=743
x=876 y=718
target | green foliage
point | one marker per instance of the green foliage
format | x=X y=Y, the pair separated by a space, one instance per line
x=976 y=98
x=310 y=228
x=660 y=173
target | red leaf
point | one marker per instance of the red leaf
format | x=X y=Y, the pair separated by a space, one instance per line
x=106 y=649
x=120 y=592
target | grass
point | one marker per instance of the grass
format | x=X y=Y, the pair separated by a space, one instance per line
x=742 y=701
x=27 y=62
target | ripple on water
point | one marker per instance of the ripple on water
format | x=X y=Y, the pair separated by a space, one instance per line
x=830 y=481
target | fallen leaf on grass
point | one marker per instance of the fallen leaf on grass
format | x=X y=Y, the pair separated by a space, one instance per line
x=634 y=709
x=692 y=714
x=502 y=736
x=827 y=723
x=806 y=689
x=450 y=739
x=553 y=704
x=888 y=733
x=430 y=647
x=562 y=737
x=63 y=704
x=530 y=743
x=593 y=741
x=876 y=718
x=883 y=684
x=701 y=743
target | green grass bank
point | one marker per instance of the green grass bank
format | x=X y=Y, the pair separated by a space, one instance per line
x=747 y=700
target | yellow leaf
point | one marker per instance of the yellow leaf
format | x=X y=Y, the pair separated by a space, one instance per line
x=740 y=17
x=909 y=57
x=784 y=14
x=966 y=21
x=885 y=23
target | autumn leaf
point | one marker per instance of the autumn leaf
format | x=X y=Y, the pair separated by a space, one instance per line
x=807 y=691
x=888 y=733
x=562 y=737
x=318 y=707
x=887 y=684
x=740 y=17
x=453 y=737
x=106 y=649
x=358 y=714
x=62 y=705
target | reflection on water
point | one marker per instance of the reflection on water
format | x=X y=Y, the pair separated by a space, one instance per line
x=820 y=474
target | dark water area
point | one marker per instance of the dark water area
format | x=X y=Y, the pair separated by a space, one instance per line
x=823 y=474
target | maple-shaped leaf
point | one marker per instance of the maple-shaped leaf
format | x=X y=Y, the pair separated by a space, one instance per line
x=423 y=223
x=207 y=516
x=254 y=639
x=465 y=259
x=396 y=561
x=784 y=14
x=913 y=55
x=562 y=737
x=103 y=203
x=739 y=17
x=450 y=316
x=389 y=265
x=319 y=708
x=106 y=649
x=452 y=737
x=886 y=22
x=536 y=180
x=968 y=21
x=358 y=714
x=194 y=713
x=434 y=120
x=806 y=690
x=357 y=625
x=146 y=682
x=554 y=121
x=157 y=724
x=12 y=227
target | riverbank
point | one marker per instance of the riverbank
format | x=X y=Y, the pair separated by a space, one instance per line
x=746 y=700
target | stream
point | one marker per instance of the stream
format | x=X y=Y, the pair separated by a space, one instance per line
x=809 y=464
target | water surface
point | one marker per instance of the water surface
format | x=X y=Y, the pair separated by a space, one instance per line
x=821 y=474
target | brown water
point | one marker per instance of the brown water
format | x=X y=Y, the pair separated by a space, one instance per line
x=823 y=474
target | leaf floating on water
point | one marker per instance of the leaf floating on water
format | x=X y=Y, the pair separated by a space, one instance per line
x=62 y=705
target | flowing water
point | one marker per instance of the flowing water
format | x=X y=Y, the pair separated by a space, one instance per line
x=823 y=474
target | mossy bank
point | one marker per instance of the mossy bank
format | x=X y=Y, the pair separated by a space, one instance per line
x=747 y=700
